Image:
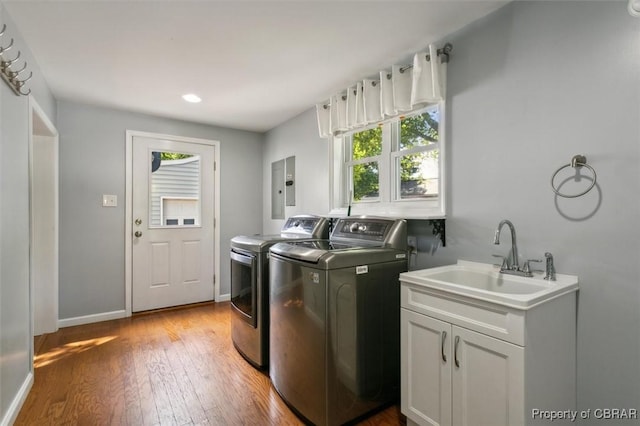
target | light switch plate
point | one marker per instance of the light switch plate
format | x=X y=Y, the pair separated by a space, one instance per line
x=109 y=200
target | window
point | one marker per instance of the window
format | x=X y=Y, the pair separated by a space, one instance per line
x=365 y=149
x=174 y=189
x=392 y=169
x=416 y=158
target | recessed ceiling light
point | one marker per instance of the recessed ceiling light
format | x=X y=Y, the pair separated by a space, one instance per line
x=190 y=97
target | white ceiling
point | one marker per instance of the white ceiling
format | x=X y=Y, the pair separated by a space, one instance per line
x=254 y=63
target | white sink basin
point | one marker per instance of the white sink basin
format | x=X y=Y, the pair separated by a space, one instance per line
x=485 y=282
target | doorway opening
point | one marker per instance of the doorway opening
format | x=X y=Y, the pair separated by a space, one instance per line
x=44 y=219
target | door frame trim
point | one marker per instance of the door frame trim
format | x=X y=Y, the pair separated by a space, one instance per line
x=128 y=227
x=46 y=126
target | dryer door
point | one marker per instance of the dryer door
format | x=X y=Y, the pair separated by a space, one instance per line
x=244 y=289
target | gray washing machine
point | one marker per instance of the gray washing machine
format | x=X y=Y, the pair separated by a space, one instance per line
x=335 y=320
x=250 y=284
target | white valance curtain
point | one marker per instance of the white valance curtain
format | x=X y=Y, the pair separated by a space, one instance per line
x=399 y=90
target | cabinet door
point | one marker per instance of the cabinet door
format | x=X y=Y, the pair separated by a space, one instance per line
x=488 y=380
x=425 y=369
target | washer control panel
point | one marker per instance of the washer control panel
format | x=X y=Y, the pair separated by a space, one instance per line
x=361 y=228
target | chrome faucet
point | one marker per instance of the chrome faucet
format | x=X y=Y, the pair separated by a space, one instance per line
x=513 y=265
x=550 y=269
x=510 y=264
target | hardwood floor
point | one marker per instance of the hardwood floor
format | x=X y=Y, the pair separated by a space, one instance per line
x=173 y=367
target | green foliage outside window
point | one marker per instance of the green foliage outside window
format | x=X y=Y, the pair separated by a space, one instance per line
x=366 y=182
x=174 y=156
x=419 y=130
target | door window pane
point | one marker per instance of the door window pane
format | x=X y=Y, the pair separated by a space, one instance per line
x=174 y=195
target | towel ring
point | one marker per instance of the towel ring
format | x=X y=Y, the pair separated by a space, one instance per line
x=576 y=162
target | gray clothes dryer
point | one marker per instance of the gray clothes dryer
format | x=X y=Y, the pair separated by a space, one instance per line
x=250 y=284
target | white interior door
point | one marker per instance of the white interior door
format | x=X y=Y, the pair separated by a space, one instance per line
x=173 y=223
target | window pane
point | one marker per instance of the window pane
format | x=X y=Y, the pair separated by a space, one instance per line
x=366 y=181
x=174 y=196
x=367 y=143
x=419 y=130
x=419 y=175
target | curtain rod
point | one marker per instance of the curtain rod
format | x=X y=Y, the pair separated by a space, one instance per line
x=444 y=51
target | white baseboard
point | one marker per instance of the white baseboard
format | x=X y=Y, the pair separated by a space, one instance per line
x=106 y=316
x=14 y=409
x=88 y=319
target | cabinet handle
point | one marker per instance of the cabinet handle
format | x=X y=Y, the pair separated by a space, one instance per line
x=444 y=337
x=455 y=351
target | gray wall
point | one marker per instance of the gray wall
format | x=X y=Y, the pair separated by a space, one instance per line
x=92 y=157
x=298 y=137
x=15 y=314
x=528 y=87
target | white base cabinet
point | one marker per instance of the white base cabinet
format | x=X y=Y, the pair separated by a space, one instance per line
x=475 y=363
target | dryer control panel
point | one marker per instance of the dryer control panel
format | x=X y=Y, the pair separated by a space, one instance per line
x=314 y=226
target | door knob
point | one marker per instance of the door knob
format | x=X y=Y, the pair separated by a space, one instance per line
x=138 y=222
x=138 y=234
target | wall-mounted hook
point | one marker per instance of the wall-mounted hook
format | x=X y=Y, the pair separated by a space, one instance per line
x=20 y=83
x=12 y=61
x=10 y=76
x=4 y=49
x=14 y=74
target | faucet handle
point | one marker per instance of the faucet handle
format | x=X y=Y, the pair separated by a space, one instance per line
x=505 y=262
x=550 y=269
x=527 y=268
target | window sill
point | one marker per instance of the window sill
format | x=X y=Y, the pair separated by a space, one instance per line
x=392 y=210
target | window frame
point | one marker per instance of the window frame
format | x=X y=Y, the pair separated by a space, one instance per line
x=397 y=153
x=388 y=203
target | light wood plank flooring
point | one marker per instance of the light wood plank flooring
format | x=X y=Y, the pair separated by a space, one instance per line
x=172 y=367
